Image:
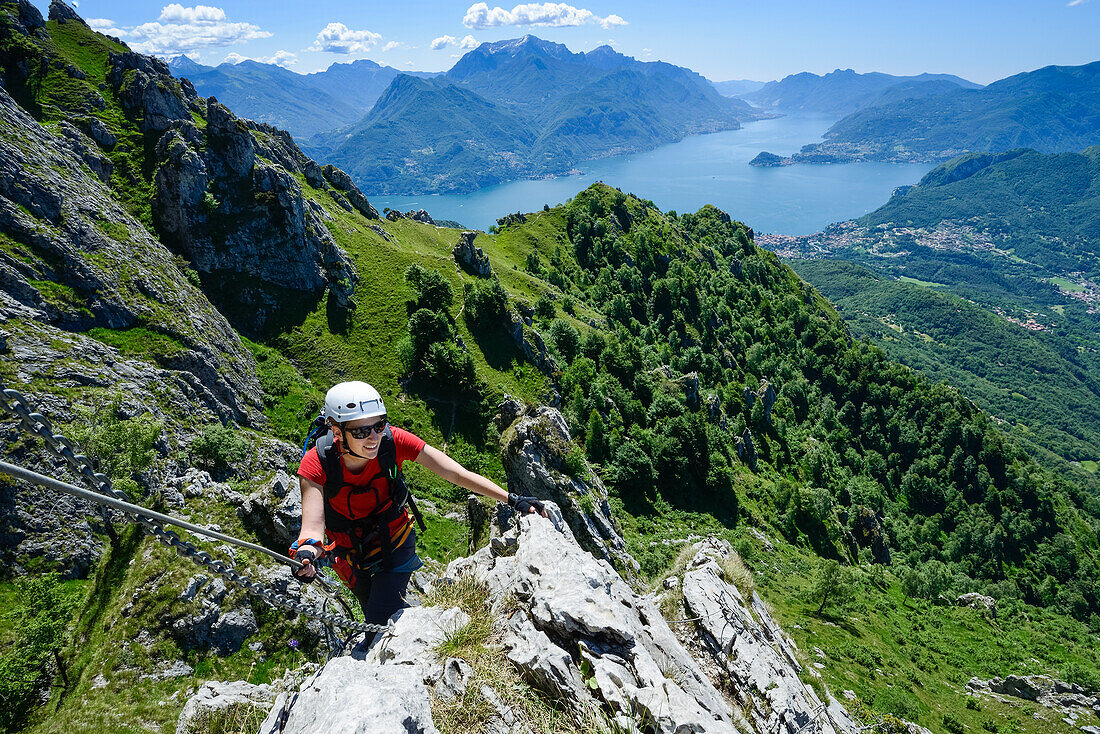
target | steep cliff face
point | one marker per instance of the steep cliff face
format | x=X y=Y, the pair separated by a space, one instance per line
x=233 y=197
x=131 y=211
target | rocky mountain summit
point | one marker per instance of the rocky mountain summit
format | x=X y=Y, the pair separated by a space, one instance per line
x=555 y=624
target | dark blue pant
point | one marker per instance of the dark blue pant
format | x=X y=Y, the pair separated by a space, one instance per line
x=382 y=593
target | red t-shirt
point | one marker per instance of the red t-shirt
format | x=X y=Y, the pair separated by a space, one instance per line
x=368 y=489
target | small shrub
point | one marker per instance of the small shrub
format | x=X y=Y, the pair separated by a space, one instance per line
x=123 y=446
x=899 y=702
x=220 y=447
x=430 y=289
x=575 y=464
x=953 y=725
x=1087 y=678
x=972 y=704
x=544 y=308
x=40 y=619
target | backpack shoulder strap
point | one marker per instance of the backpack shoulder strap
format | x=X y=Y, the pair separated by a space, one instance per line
x=399 y=491
x=330 y=462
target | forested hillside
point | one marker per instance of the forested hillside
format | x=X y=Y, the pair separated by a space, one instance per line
x=998 y=251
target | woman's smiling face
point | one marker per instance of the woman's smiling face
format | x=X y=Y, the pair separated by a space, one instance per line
x=366 y=447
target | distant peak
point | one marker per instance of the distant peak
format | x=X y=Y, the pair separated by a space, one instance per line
x=528 y=42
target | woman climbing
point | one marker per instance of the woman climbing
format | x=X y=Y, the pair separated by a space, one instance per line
x=353 y=491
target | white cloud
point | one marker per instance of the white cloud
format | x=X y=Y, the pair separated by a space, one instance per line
x=468 y=42
x=442 y=42
x=282 y=58
x=234 y=58
x=103 y=25
x=176 y=13
x=337 y=38
x=182 y=29
x=480 y=16
x=1071 y=3
x=391 y=45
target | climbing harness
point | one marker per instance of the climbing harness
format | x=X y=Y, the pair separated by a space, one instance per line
x=374 y=528
x=35 y=424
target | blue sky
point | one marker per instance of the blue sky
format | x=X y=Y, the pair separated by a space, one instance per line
x=982 y=41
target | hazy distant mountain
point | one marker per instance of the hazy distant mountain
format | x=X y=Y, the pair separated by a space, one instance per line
x=1054 y=109
x=302 y=104
x=737 y=87
x=183 y=65
x=842 y=91
x=519 y=108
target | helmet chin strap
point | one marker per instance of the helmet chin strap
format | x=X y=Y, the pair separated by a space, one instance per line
x=349 y=451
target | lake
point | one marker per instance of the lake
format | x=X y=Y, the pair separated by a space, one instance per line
x=703 y=169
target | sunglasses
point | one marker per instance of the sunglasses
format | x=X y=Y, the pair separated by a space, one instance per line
x=362 y=432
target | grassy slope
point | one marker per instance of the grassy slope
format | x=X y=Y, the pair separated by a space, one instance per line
x=912 y=658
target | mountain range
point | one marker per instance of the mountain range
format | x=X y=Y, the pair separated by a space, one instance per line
x=844 y=91
x=1054 y=109
x=518 y=109
x=301 y=104
x=511 y=109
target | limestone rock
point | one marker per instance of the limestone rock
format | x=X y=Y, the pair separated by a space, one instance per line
x=342 y=182
x=351 y=695
x=62 y=13
x=534 y=448
x=215 y=699
x=978 y=601
x=147 y=91
x=275 y=513
x=746 y=449
x=471 y=258
x=751 y=648
x=233 y=214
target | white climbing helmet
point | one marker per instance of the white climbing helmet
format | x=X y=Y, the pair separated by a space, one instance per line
x=350 y=401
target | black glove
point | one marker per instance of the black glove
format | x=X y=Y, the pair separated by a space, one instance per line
x=525 y=505
x=303 y=554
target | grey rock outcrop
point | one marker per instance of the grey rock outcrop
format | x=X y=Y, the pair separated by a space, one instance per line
x=120 y=276
x=62 y=13
x=534 y=449
x=752 y=650
x=218 y=699
x=342 y=183
x=1072 y=702
x=530 y=343
x=275 y=513
x=350 y=695
x=233 y=214
x=975 y=600
x=592 y=618
x=470 y=257
x=559 y=611
x=746 y=449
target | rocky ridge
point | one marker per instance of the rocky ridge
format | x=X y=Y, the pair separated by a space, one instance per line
x=569 y=627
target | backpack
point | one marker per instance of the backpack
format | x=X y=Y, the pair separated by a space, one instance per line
x=377 y=524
